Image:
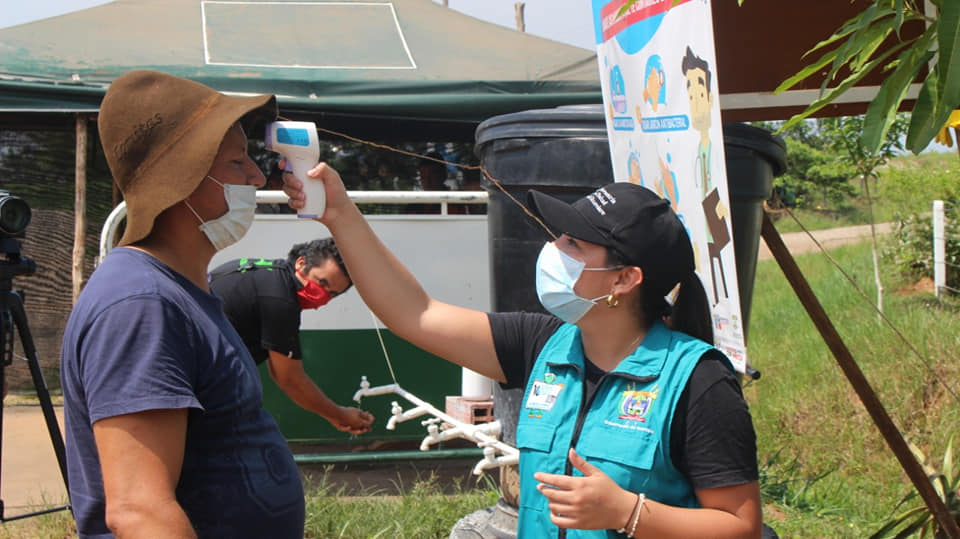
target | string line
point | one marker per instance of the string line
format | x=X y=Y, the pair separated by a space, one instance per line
x=870 y=302
x=527 y=211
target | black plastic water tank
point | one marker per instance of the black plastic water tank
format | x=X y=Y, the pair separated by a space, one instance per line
x=754 y=157
x=561 y=151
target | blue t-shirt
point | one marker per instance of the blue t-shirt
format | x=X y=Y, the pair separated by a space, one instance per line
x=142 y=337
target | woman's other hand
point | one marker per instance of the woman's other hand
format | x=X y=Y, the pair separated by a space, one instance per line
x=591 y=502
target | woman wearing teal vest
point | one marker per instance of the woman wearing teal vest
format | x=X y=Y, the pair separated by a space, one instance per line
x=631 y=423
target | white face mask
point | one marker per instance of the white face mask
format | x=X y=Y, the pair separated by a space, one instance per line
x=557 y=273
x=231 y=226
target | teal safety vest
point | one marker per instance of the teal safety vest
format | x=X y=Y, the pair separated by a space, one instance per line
x=624 y=430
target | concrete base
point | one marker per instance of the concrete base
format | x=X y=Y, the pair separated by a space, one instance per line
x=496 y=522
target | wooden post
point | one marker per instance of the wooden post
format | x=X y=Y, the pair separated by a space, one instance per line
x=956 y=137
x=859 y=382
x=518 y=10
x=80 y=204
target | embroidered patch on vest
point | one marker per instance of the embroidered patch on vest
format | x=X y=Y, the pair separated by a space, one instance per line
x=634 y=405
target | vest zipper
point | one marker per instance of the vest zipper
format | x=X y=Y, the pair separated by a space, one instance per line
x=582 y=417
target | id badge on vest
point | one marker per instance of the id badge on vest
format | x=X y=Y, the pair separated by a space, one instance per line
x=543 y=395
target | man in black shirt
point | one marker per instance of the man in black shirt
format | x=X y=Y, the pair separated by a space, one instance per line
x=263 y=300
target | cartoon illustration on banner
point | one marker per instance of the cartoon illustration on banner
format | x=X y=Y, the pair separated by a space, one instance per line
x=658 y=73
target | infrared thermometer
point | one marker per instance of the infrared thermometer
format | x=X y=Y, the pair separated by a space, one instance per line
x=297 y=142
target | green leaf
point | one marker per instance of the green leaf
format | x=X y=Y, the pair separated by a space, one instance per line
x=889 y=527
x=948 y=466
x=806 y=72
x=886 y=529
x=948 y=51
x=846 y=29
x=883 y=109
x=923 y=120
x=939 y=485
x=871 y=20
x=847 y=83
x=921 y=522
x=898 y=17
x=871 y=42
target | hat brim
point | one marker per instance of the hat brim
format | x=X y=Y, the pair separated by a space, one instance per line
x=563 y=218
x=187 y=160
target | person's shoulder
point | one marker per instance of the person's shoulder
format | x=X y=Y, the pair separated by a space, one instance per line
x=716 y=362
x=526 y=322
x=226 y=267
x=712 y=370
x=125 y=271
x=123 y=276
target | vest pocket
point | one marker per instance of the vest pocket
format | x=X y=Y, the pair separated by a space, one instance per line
x=633 y=448
x=535 y=436
x=626 y=456
x=535 y=442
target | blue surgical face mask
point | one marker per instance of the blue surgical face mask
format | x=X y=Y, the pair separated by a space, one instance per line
x=557 y=274
x=231 y=226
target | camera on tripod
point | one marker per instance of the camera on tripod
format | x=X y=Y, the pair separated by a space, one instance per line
x=14 y=217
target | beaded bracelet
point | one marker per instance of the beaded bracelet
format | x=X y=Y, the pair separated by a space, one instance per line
x=636 y=518
x=636 y=508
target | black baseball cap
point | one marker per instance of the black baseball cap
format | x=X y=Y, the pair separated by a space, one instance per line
x=633 y=221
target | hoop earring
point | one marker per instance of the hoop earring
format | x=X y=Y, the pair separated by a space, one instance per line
x=612 y=301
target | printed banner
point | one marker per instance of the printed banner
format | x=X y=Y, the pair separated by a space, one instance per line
x=660 y=94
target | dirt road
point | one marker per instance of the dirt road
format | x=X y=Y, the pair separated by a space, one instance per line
x=30 y=479
x=800 y=243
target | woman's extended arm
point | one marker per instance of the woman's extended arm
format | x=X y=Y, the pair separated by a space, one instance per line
x=457 y=334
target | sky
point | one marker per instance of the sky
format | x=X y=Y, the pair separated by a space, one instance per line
x=13 y=12
x=567 y=21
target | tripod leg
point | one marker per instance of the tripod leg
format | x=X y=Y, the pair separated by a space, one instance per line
x=15 y=304
x=6 y=355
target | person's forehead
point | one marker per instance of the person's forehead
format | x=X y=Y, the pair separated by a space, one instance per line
x=234 y=140
x=236 y=133
x=584 y=244
x=330 y=272
x=327 y=269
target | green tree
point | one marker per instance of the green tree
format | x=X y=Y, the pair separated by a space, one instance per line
x=860 y=46
x=816 y=176
x=841 y=134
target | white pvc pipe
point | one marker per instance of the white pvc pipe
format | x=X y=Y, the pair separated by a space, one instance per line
x=484 y=435
x=475 y=386
x=939 y=249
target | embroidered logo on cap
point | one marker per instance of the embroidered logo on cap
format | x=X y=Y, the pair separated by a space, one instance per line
x=600 y=198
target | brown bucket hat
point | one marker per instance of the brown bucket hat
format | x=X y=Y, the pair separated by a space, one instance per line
x=160 y=134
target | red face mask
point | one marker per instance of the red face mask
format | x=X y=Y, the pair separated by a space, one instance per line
x=312 y=295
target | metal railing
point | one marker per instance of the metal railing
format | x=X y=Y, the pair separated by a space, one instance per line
x=108 y=235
